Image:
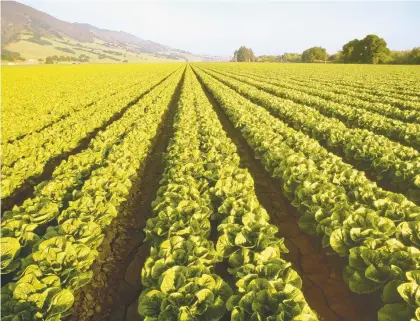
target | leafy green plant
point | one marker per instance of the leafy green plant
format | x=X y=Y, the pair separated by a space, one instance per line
x=201 y=152
x=267 y=287
x=403 y=300
x=389 y=161
x=66 y=252
x=375 y=228
x=28 y=156
x=186 y=293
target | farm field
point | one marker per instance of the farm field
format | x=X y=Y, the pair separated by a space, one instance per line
x=211 y=191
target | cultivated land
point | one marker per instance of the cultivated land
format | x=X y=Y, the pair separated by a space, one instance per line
x=211 y=192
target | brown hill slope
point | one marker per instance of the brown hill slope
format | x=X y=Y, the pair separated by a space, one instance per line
x=36 y=34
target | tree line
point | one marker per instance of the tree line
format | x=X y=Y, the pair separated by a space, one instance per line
x=370 y=50
x=244 y=54
x=54 y=59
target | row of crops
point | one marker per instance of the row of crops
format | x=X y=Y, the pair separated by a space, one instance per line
x=28 y=156
x=344 y=151
x=50 y=241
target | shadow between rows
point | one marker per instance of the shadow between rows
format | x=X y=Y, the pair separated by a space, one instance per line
x=27 y=189
x=411 y=193
x=117 y=273
x=323 y=285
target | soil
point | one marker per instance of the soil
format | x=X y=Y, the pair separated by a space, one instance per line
x=323 y=285
x=117 y=285
x=384 y=183
x=114 y=292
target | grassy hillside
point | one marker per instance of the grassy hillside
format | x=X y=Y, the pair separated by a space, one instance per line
x=97 y=51
x=29 y=35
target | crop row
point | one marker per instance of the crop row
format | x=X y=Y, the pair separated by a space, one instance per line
x=362 y=83
x=405 y=133
x=381 y=107
x=34 y=100
x=401 y=97
x=267 y=287
x=52 y=196
x=28 y=157
x=203 y=181
x=399 y=82
x=60 y=260
x=377 y=231
x=16 y=149
x=404 y=102
x=382 y=81
x=19 y=149
x=389 y=161
x=178 y=276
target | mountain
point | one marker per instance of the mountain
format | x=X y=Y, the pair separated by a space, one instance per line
x=31 y=35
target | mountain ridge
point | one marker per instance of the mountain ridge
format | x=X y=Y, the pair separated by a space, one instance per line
x=35 y=35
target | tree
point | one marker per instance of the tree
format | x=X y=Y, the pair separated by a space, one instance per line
x=291 y=57
x=414 y=56
x=313 y=54
x=252 y=57
x=266 y=58
x=11 y=55
x=235 y=56
x=375 y=50
x=49 y=60
x=337 y=57
x=370 y=50
x=244 y=54
x=352 y=52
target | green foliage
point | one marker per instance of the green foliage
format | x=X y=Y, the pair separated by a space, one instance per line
x=49 y=60
x=352 y=51
x=178 y=276
x=375 y=49
x=11 y=56
x=377 y=230
x=203 y=163
x=290 y=124
x=269 y=58
x=103 y=56
x=259 y=300
x=53 y=59
x=337 y=57
x=314 y=54
x=59 y=261
x=68 y=50
x=414 y=56
x=291 y=57
x=249 y=244
x=370 y=50
x=185 y=293
x=409 y=57
x=244 y=54
x=403 y=300
x=17 y=171
x=39 y=41
x=286 y=57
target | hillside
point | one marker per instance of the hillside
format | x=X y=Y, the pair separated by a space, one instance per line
x=35 y=35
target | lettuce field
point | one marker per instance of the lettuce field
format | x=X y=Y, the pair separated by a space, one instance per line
x=210 y=191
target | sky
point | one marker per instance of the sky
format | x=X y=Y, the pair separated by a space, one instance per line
x=220 y=27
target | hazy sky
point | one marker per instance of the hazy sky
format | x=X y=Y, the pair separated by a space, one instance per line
x=219 y=27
